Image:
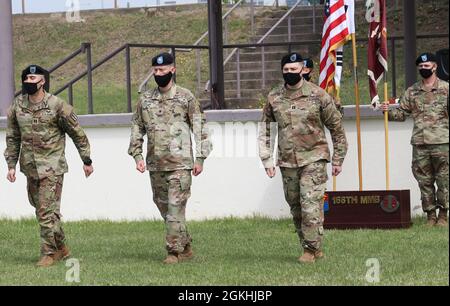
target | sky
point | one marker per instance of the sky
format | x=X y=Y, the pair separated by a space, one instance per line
x=51 y=6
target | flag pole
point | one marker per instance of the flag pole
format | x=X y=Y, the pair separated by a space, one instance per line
x=338 y=100
x=386 y=133
x=386 y=114
x=358 y=114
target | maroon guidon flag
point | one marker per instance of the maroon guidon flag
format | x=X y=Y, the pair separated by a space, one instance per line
x=377 y=49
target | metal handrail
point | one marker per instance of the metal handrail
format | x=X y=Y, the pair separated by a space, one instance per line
x=261 y=40
x=91 y=68
x=392 y=39
x=197 y=42
x=267 y=33
x=82 y=49
x=83 y=74
x=289 y=12
x=115 y=52
x=143 y=85
x=86 y=48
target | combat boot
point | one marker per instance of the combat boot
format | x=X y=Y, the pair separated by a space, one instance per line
x=46 y=261
x=442 y=218
x=307 y=257
x=63 y=253
x=187 y=253
x=431 y=218
x=172 y=258
x=319 y=255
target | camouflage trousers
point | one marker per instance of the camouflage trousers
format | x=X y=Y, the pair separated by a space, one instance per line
x=45 y=196
x=171 y=191
x=304 y=189
x=430 y=166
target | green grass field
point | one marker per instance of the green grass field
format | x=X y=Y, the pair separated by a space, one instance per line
x=255 y=251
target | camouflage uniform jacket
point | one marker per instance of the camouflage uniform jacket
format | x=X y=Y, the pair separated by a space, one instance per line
x=429 y=109
x=301 y=115
x=168 y=120
x=36 y=134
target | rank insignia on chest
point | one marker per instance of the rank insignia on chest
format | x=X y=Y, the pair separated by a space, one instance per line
x=293 y=107
x=35 y=121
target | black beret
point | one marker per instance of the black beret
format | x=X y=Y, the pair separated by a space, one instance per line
x=308 y=63
x=35 y=69
x=426 y=57
x=291 y=58
x=163 y=59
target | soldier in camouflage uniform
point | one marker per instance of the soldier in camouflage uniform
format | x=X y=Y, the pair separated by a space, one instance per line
x=37 y=125
x=168 y=114
x=298 y=111
x=427 y=102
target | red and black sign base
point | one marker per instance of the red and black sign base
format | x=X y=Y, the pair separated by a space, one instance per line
x=367 y=209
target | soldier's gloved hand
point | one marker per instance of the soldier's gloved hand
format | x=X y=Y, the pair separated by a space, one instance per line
x=88 y=170
x=11 y=175
x=270 y=172
x=197 y=169
x=140 y=166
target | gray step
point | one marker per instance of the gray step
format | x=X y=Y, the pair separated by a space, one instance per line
x=252 y=75
x=249 y=84
x=283 y=29
x=251 y=93
x=304 y=11
x=295 y=21
x=271 y=65
x=295 y=37
x=243 y=103
x=282 y=50
x=268 y=55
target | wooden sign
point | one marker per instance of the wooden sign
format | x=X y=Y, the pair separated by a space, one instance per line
x=367 y=209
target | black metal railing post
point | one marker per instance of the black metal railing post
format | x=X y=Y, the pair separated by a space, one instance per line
x=174 y=63
x=128 y=76
x=70 y=94
x=87 y=49
x=393 y=63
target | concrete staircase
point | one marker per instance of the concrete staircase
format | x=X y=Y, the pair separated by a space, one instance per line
x=252 y=92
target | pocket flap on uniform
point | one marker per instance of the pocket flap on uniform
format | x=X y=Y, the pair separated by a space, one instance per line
x=185 y=182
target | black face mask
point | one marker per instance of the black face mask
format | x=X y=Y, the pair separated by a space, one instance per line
x=163 y=80
x=292 y=79
x=426 y=73
x=307 y=76
x=31 y=88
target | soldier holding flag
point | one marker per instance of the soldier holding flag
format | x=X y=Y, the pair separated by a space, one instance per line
x=427 y=102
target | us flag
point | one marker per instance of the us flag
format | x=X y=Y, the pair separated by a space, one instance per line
x=335 y=34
